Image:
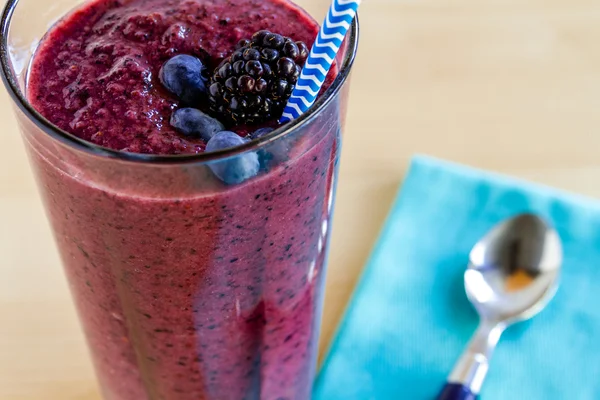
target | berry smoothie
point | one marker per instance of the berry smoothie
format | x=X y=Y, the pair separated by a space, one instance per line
x=187 y=286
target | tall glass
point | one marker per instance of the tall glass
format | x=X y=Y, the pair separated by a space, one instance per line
x=187 y=288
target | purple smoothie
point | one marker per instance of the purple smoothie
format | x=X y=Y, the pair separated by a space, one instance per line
x=187 y=288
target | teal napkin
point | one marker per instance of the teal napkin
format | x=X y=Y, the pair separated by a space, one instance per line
x=409 y=318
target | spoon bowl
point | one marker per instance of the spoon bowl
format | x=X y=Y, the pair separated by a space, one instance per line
x=513 y=270
x=513 y=273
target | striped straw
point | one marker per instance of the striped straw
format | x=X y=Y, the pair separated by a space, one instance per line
x=321 y=56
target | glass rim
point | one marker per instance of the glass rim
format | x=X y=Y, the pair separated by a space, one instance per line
x=66 y=138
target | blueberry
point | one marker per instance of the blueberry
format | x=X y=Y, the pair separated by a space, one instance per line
x=237 y=168
x=182 y=75
x=261 y=132
x=193 y=122
x=273 y=153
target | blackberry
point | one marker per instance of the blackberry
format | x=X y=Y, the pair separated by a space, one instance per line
x=254 y=83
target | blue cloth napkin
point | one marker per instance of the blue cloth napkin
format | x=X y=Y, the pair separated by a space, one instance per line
x=409 y=318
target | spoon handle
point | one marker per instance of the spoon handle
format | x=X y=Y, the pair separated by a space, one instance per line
x=469 y=372
x=456 y=391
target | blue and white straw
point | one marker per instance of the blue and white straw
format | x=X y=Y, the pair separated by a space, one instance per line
x=321 y=57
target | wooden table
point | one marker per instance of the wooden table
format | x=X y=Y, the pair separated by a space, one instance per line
x=508 y=85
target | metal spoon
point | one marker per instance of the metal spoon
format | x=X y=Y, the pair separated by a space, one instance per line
x=512 y=274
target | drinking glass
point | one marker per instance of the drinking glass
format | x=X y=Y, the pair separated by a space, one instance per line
x=186 y=287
